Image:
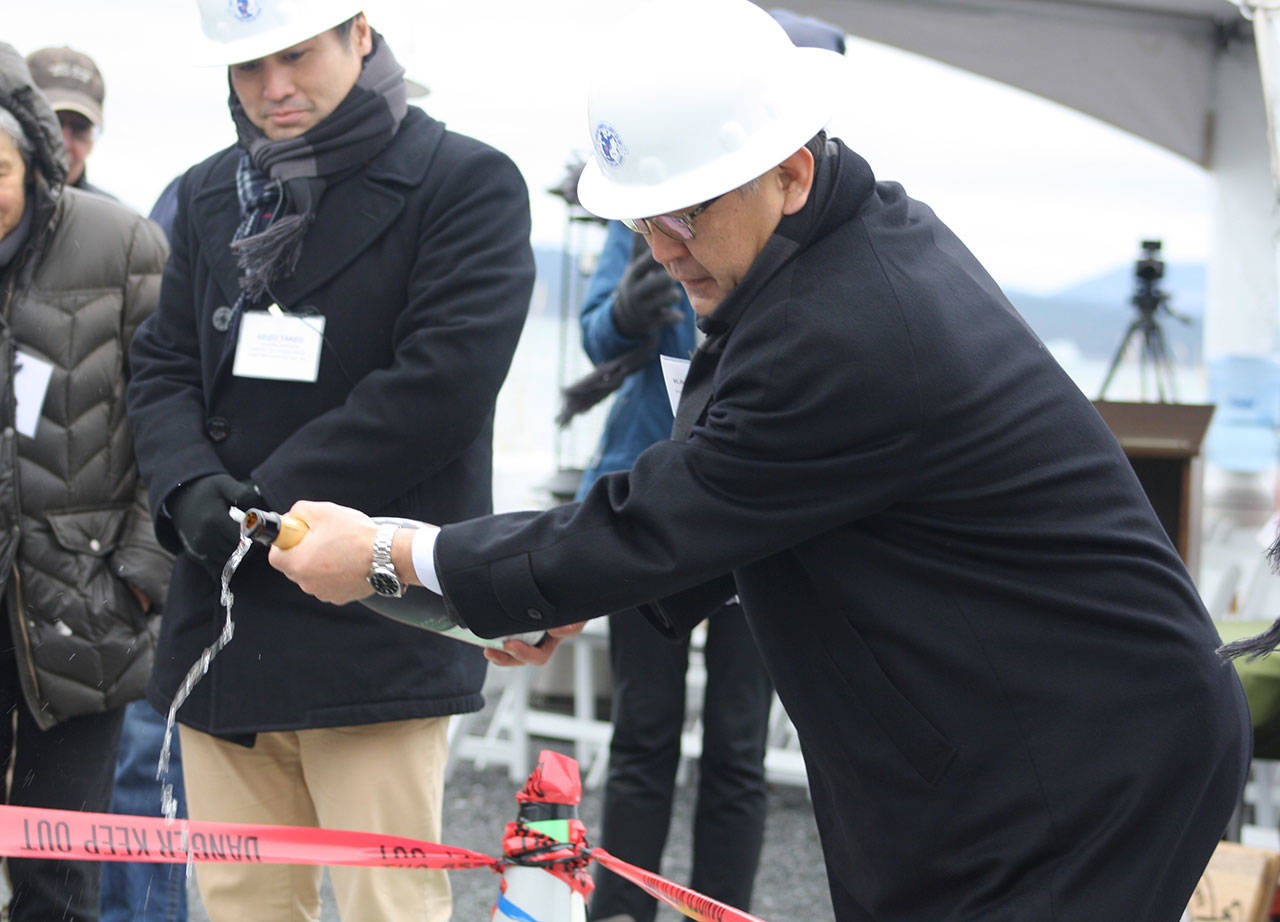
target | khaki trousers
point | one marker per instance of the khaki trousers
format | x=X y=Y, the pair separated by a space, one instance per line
x=384 y=777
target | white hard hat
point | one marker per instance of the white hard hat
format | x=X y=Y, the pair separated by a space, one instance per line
x=244 y=30
x=697 y=97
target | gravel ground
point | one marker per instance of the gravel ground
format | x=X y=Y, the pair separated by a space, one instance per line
x=790 y=886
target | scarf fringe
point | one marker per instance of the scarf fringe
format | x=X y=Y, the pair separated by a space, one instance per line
x=1253 y=647
x=1266 y=642
x=603 y=380
x=271 y=254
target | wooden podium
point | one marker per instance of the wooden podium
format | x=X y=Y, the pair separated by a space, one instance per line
x=1162 y=442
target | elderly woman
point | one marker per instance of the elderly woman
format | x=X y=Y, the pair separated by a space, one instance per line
x=82 y=574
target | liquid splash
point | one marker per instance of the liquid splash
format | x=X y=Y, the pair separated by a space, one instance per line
x=168 y=803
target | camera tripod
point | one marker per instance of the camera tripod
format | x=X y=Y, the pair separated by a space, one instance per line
x=1153 y=357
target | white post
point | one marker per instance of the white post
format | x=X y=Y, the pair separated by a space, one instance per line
x=535 y=894
x=1241 y=316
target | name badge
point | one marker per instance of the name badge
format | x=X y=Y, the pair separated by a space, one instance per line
x=31 y=376
x=673 y=372
x=279 y=346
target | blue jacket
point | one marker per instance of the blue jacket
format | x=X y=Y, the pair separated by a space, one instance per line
x=641 y=412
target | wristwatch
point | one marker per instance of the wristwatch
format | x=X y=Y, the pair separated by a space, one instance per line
x=382 y=575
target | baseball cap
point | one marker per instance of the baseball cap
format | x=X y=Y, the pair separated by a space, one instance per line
x=70 y=80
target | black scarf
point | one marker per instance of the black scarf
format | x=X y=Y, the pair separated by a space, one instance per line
x=1260 y=644
x=280 y=182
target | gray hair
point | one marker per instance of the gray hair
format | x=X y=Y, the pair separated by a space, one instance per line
x=815 y=146
x=10 y=125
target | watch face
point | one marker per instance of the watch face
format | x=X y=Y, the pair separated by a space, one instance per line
x=385 y=583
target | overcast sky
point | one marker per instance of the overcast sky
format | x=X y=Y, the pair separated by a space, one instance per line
x=1042 y=195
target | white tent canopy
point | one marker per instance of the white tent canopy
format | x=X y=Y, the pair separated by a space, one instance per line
x=1143 y=65
x=1182 y=74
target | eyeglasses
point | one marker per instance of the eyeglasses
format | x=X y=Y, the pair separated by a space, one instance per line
x=678 y=225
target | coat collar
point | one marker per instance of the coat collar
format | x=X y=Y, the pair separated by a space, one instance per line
x=842 y=182
x=841 y=185
x=353 y=212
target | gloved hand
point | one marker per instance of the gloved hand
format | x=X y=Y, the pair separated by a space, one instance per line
x=199 y=510
x=646 y=297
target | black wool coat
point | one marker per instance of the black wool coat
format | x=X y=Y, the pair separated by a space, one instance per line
x=1002 y=676
x=420 y=263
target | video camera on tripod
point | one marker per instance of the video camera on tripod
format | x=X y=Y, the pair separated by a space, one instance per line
x=1150 y=299
x=1148 y=270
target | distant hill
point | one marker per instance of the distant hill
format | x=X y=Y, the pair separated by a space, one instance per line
x=1183 y=282
x=1093 y=313
x=549 y=283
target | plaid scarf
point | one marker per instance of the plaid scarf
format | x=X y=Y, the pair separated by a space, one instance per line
x=259 y=197
x=280 y=182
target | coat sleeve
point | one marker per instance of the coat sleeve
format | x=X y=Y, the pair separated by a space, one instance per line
x=786 y=451
x=166 y=390
x=467 y=297
x=676 y=615
x=139 y=559
x=148 y=250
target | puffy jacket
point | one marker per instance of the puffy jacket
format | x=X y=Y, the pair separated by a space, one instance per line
x=75 y=531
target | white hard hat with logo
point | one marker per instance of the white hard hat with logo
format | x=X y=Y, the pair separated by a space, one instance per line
x=244 y=30
x=697 y=97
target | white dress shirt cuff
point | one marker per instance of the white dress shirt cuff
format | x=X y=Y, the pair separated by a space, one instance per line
x=424 y=558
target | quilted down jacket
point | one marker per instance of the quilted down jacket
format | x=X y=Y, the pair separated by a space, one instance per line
x=75 y=531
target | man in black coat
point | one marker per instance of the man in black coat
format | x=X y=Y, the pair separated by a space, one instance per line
x=346 y=290
x=1003 y=679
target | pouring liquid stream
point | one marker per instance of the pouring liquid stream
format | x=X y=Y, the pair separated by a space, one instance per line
x=168 y=804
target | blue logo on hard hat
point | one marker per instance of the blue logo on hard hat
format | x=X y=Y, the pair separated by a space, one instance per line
x=245 y=10
x=610 y=146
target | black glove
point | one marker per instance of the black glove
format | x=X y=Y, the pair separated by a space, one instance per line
x=199 y=510
x=567 y=188
x=646 y=297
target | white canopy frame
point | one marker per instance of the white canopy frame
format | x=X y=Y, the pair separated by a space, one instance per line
x=1265 y=16
x=1183 y=74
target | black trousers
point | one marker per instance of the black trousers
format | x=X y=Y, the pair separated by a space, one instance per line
x=644 y=754
x=70 y=766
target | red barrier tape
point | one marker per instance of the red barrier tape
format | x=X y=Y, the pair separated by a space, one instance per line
x=688 y=902
x=27 y=832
